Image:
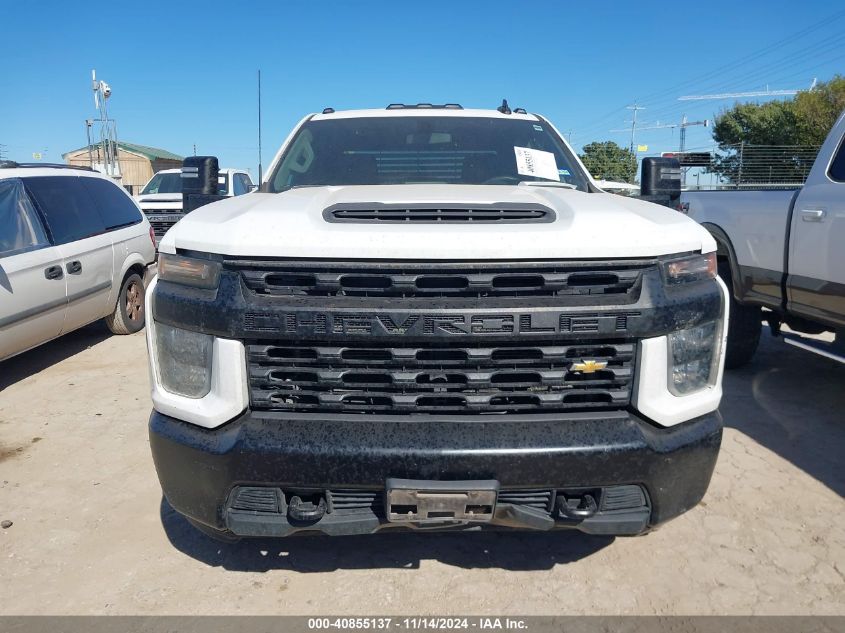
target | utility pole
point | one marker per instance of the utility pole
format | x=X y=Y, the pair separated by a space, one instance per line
x=260 y=167
x=635 y=108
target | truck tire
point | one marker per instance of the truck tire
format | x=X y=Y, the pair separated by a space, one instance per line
x=744 y=326
x=128 y=314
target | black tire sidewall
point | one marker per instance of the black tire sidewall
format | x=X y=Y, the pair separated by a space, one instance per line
x=744 y=326
x=132 y=326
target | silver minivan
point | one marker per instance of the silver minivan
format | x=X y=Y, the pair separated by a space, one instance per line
x=74 y=248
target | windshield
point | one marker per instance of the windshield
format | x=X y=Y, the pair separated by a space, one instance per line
x=164 y=183
x=172 y=183
x=430 y=149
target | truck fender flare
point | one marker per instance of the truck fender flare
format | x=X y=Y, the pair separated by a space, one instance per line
x=725 y=249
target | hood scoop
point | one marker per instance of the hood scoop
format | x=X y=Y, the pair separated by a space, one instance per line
x=499 y=213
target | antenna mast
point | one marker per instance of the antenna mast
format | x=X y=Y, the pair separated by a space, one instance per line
x=260 y=168
x=107 y=162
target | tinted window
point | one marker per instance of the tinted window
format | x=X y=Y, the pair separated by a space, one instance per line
x=115 y=207
x=240 y=186
x=164 y=183
x=70 y=211
x=425 y=149
x=837 y=167
x=20 y=226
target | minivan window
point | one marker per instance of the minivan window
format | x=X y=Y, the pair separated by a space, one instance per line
x=69 y=209
x=837 y=167
x=115 y=207
x=20 y=227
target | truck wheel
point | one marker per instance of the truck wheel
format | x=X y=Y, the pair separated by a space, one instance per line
x=128 y=314
x=744 y=326
x=221 y=536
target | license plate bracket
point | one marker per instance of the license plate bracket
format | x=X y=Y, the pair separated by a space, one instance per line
x=432 y=501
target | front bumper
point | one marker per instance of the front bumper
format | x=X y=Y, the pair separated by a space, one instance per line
x=311 y=454
x=150 y=272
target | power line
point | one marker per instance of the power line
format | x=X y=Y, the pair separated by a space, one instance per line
x=595 y=124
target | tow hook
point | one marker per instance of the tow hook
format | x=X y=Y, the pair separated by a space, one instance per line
x=576 y=507
x=308 y=511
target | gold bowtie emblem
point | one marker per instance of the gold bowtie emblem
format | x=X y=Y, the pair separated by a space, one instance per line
x=589 y=366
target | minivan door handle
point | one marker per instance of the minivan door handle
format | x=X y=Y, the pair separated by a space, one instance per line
x=53 y=272
x=813 y=215
x=74 y=267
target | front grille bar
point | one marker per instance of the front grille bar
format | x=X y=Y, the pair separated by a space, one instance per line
x=294 y=376
x=331 y=279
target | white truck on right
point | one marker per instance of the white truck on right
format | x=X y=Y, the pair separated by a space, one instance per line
x=782 y=250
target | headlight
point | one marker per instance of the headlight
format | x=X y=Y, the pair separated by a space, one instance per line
x=184 y=360
x=189 y=271
x=693 y=358
x=689 y=269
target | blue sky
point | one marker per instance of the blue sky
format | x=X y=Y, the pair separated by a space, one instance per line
x=185 y=72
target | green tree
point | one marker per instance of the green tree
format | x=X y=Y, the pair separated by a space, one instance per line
x=785 y=126
x=608 y=161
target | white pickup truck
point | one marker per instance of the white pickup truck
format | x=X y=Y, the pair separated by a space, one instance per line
x=784 y=251
x=161 y=198
x=432 y=317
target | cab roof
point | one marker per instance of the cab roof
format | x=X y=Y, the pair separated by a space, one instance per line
x=420 y=112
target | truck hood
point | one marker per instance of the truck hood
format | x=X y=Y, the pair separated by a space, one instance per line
x=291 y=224
x=157 y=198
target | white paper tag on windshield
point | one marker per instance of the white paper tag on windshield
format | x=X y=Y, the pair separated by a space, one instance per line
x=535 y=162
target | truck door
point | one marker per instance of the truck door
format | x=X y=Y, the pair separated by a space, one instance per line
x=80 y=235
x=33 y=293
x=816 y=280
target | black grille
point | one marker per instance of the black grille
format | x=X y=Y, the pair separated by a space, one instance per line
x=438 y=215
x=332 y=279
x=622 y=498
x=355 y=501
x=537 y=499
x=249 y=499
x=474 y=378
x=160 y=227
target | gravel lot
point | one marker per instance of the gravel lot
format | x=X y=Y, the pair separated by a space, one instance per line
x=91 y=533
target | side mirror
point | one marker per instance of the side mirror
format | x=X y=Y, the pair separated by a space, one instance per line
x=661 y=177
x=199 y=182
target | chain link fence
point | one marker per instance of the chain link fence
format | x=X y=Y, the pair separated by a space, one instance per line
x=753 y=166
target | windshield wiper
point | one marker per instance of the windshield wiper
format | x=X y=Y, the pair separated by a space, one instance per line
x=547 y=183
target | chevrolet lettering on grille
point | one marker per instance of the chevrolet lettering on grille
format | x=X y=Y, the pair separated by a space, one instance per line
x=398 y=324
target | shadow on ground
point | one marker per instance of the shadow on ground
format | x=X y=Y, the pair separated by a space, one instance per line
x=792 y=402
x=514 y=551
x=40 y=358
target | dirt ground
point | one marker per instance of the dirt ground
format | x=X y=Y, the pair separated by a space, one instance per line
x=91 y=534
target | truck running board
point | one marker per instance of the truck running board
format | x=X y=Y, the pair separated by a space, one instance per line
x=833 y=351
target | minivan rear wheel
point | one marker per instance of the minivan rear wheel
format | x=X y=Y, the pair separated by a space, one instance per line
x=129 y=311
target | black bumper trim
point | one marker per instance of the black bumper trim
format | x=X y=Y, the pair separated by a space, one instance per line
x=199 y=467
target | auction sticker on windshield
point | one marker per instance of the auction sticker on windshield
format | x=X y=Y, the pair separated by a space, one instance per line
x=535 y=162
